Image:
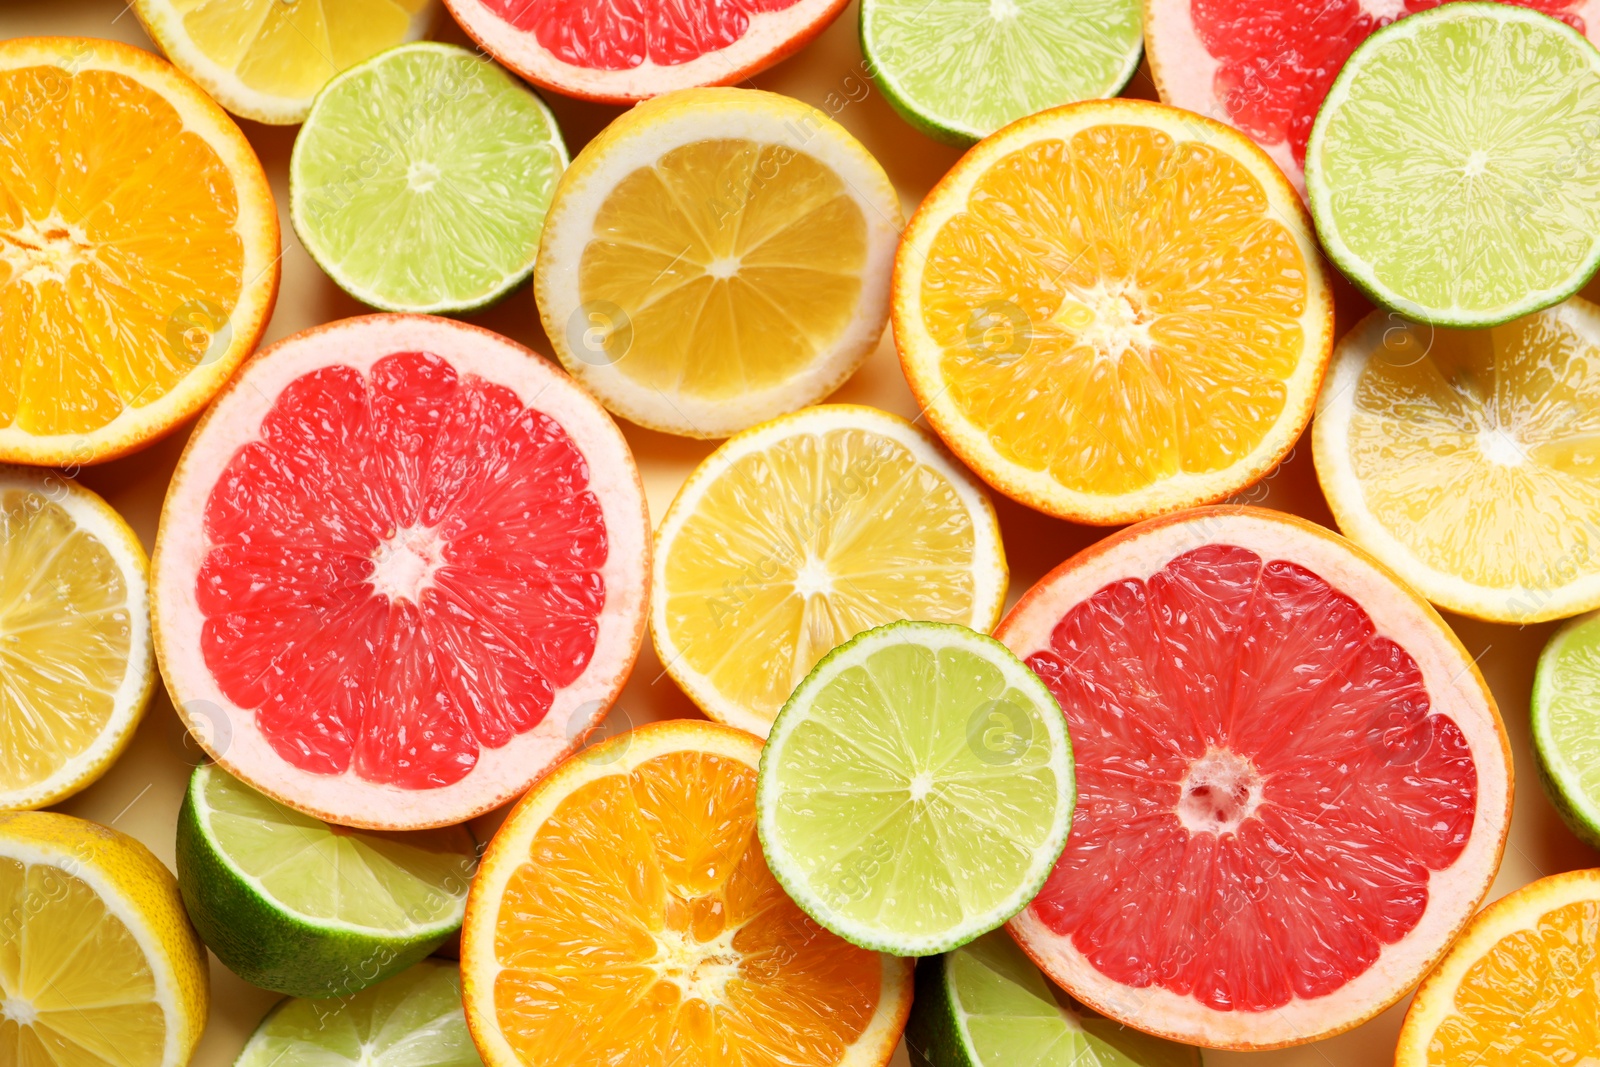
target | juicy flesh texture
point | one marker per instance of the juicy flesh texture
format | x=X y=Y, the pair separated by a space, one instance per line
x=75 y=988
x=119 y=262
x=624 y=34
x=1277 y=60
x=1507 y=418
x=1532 y=999
x=293 y=49
x=796 y=549
x=402 y=568
x=1117 y=309
x=1263 y=791
x=646 y=929
x=734 y=265
x=65 y=637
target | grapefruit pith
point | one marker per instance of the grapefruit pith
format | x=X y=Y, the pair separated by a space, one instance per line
x=402 y=569
x=1294 y=786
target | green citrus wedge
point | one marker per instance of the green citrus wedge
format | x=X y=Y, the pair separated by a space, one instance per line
x=958 y=70
x=420 y=179
x=1451 y=169
x=1565 y=720
x=298 y=906
x=986 y=1005
x=916 y=789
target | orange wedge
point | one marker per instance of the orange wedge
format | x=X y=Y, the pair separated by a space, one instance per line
x=1114 y=309
x=624 y=914
x=138 y=249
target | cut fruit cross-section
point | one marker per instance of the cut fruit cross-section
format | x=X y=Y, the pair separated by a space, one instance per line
x=1564 y=719
x=402 y=570
x=1294 y=785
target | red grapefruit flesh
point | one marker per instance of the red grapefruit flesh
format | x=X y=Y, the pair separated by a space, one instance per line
x=1293 y=785
x=401 y=571
x=620 y=51
x=1265 y=65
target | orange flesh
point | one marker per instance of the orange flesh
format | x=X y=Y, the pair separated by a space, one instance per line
x=646 y=929
x=1117 y=309
x=118 y=252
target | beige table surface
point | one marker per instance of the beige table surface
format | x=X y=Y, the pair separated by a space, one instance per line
x=140 y=795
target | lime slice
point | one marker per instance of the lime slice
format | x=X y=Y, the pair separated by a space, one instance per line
x=916 y=789
x=959 y=70
x=1450 y=169
x=295 y=905
x=1565 y=720
x=987 y=1005
x=420 y=179
x=410 y=1020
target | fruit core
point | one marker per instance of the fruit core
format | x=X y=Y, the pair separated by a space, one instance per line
x=1219 y=792
x=44 y=250
x=18 y=1011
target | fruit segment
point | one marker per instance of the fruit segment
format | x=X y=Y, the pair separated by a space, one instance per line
x=622 y=35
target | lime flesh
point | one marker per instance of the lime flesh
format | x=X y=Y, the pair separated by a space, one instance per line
x=961 y=69
x=420 y=179
x=1566 y=724
x=916 y=789
x=1450 y=170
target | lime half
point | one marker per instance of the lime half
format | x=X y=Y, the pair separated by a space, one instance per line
x=420 y=179
x=1565 y=719
x=1451 y=169
x=295 y=905
x=987 y=1005
x=958 y=70
x=916 y=789
x=412 y=1020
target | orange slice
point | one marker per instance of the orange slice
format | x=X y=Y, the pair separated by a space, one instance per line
x=624 y=914
x=138 y=249
x=1114 y=309
x=1521 y=986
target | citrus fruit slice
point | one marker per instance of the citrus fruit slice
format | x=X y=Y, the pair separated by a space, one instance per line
x=420 y=179
x=413 y=1018
x=1294 y=786
x=716 y=258
x=627 y=50
x=138 y=249
x=801 y=533
x=1464 y=459
x=1565 y=723
x=74 y=637
x=624 y=914
x=1519 y=985
x=1265 y=65
x=1145 y=333
x=1449 y=169
x=291 y=904
x=100 y=964
x=916 y=788
x=986 y=1005
x=402 y=570
x=265 y=60
x=960 y=70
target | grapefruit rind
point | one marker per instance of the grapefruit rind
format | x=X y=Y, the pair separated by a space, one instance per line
x=227 y=732
x=920 y=353
x=510 y=848
x=1457 y=690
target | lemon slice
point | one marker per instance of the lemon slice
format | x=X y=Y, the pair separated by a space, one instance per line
x=74 y=637
x=716 y=258
x=1466 y=459
x=803 y=532
x=99 y=965
x=266 y=59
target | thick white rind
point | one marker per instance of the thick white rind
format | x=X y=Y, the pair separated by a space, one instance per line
x=235 y=419
x=1456 y=689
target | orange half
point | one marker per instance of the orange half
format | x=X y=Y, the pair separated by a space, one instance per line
x=138 y=249
x=624 y=914
x=1114 y=309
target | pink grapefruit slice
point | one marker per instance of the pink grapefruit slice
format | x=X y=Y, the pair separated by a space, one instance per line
x=1294 y=786
x=402 y=570
x=620 y=51
x=1265 y=65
